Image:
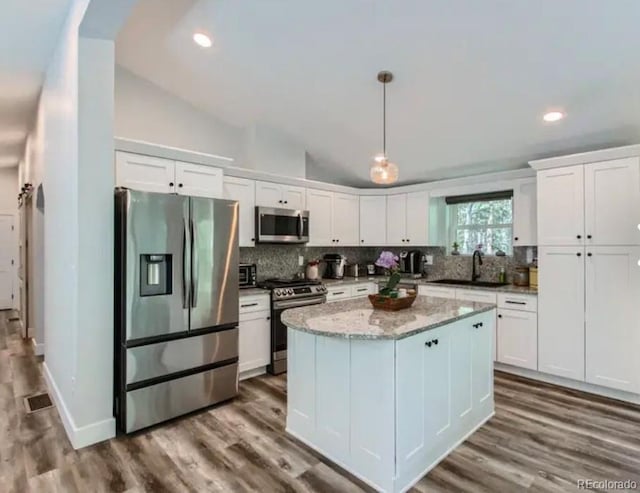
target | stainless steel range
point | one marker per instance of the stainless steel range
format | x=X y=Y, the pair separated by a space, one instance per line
x=285 y=294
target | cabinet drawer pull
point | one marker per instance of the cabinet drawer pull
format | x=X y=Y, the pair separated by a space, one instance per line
x=435 y=341
x=428 y=343
x=479 y=324
x=337 y=292
x=248 y=305
x=362 y=289
x=516 y=302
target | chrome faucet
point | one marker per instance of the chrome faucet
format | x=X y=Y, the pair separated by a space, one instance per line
x=475 y=274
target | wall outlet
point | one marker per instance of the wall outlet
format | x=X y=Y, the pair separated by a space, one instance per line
x=428 y=259
x=300 y=260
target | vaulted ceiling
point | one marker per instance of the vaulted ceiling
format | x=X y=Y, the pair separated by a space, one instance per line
x=29 y=31
x=472 y=79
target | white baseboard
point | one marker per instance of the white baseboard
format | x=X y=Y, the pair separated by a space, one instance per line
x=567 y=382
x=85 y=435
x=38 y=348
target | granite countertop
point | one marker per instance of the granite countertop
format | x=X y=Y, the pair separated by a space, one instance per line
x=509 y=288
x=356 y=319
x=253 y=291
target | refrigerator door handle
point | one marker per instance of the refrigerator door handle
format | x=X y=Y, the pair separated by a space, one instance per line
x=185 y=241
x=194 y=267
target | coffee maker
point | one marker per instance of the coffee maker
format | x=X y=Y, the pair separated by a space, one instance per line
x=334 y=265
x=411 y=262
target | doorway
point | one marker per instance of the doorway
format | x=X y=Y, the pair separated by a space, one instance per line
x=7 y=261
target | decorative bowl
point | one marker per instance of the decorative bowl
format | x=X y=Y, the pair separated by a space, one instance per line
x=380 y=302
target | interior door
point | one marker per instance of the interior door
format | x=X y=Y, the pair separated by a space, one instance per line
x=561 y=206
x=156 y=280
x=214 y=263
x=561 y=311
x=6 y=261
x=612 y=202
x=612 y=321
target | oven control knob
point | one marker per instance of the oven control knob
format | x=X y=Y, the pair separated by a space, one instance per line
x=289 y=291
x=277 y=292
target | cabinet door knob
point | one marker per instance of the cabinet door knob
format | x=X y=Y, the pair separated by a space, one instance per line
x=515 y=239
x=286 y=201
x=588 y=237
x=171 y=183
x=268 y=318
x=589 y=254
x=279 y=201
x=578 y=236
x=361 y=241
x=499 y=316
x=579 y=254
x=435 y=341
x=428 y=343
x=179 y=185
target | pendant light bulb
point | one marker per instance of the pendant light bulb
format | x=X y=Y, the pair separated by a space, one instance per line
x=383 y=171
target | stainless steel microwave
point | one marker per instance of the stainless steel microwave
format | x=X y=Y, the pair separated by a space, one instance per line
x=281 y=225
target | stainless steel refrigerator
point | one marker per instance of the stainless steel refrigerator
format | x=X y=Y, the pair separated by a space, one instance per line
x=176 y=305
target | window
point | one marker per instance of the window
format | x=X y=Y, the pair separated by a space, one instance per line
x=485 y=219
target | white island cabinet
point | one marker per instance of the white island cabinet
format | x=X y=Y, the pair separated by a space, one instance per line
x=387 y=395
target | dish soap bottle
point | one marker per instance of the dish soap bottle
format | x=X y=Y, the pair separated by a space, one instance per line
x=502 y=277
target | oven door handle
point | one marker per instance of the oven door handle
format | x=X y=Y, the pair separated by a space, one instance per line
x=294 y=303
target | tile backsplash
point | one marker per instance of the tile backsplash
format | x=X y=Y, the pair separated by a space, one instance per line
x=282 y=260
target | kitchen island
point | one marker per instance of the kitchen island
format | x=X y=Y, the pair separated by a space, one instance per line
x=388 y=395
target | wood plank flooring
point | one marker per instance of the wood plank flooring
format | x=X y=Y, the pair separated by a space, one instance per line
x=542 y=439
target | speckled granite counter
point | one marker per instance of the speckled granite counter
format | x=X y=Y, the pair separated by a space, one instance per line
x=509 y=288
x=253 y=292
x=356 y=319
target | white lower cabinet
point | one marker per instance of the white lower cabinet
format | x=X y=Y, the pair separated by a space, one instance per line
x=479 y=296
x=389 y=411
x=437 y=291
x=518 y=338
x=342 y=292
x=561 y=339
x=612 y=329
x=254 y=344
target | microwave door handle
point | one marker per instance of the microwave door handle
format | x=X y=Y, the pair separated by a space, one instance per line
x=194 y=267
x=185 y=244
x=300 y=225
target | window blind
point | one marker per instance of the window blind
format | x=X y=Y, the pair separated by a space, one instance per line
x=479 y=197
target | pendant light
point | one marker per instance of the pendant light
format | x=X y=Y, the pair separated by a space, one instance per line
x=383 y=171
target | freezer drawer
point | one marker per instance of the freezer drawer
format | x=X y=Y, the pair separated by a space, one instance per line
x=151 y=405
x=164 y=358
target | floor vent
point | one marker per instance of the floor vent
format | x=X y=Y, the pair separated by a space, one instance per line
x=38 y=402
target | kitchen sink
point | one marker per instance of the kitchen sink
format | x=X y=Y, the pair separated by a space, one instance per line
x=463 y=282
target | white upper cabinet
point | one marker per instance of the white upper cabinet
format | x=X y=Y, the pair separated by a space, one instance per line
x=198 y=181
x=561 y=206
x=612 y=202
x=408 y=219
x=525 y=224
x=279 y=196
x=333 y=218
x=612 y=321
x=396 y=219
x=294 y=197
x=244 y=191
x=346 y=219
x=418 y=218
x=561 y=304
x=373 y=220
x=152 y=174
x=145 y=173
x=320 y=205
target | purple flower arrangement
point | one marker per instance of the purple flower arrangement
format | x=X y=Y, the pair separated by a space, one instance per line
x=389 y=261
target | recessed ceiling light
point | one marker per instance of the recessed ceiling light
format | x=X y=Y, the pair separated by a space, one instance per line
x=553 y=116
x=202 y=39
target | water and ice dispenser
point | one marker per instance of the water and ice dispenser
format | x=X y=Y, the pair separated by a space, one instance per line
x=155 y=274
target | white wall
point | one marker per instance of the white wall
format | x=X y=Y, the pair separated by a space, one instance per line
x=9 y=189
x=269 y=150
x=144 y=111
x=71 y=149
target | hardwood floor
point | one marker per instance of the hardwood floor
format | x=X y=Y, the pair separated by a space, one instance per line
x=542 y=439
